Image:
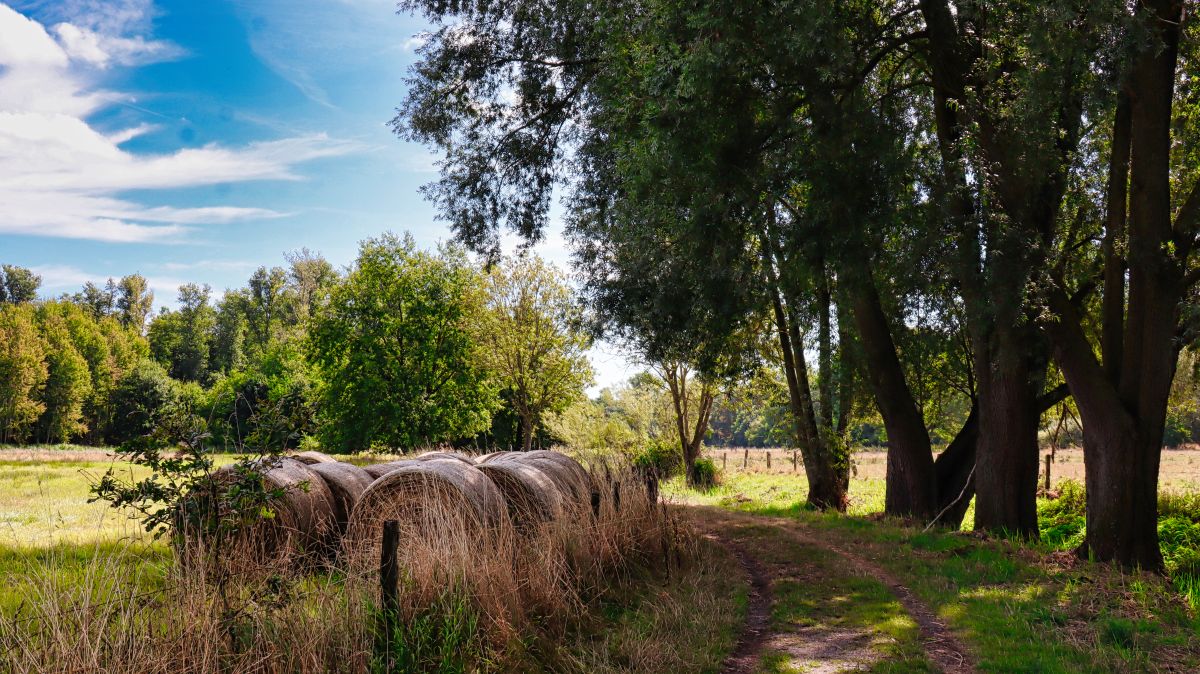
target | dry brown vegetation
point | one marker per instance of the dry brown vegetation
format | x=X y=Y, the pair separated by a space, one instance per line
x=502 y=598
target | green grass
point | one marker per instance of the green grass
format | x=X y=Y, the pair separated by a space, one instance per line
x=1019 y=608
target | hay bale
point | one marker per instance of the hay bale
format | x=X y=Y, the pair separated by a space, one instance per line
x=485 y=458
x=432 y=499
x=312 y=457
x=378 y=470
x=454 y=456
x=346 y=482
x=304 y=515
x=572 y=479
x=531 y=495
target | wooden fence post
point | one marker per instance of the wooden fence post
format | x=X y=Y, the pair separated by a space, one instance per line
x=768 y=460
x=1047 y=485
x=745 y=458
x=389 y=586
x=724 y=460
x=794 y=465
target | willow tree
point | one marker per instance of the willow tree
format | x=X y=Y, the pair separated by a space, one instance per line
x=689 y=133
x=1148 y=213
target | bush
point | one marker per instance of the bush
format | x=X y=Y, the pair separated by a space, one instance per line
x=658 y=458
x=704 y=474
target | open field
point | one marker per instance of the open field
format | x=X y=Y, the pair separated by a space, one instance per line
x=44 y=491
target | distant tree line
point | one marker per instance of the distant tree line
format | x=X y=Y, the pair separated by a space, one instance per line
x=405 y=348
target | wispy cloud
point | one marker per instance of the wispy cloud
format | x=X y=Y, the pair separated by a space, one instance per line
x=60 y=177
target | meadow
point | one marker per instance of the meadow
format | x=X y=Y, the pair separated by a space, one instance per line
x=1017 y=607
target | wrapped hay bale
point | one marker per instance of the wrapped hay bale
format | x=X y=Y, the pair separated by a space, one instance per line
x=434 y=500
x=346 y=482
x=572 y=479
x=531 y=495
x=378 y=470
x=304 y=518
x=311 y=457
x=454 y=456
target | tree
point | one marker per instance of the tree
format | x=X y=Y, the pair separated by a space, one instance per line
x=134 y=301
x=68 y=382
x=182 y=339
x=18 y=285
x=692 y=401
x=533 y=340
x=394 y=350
x=266 y=306
x=98 y=301
x=1151 y=218
x=23 y=371
x=310 y=277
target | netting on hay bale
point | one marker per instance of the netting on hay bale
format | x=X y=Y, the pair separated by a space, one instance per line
x=378 y=470
x=454 y=456
x=313 y=457
x=486 y=458
x=346 y=483
x=531 y=495
x=438 y=502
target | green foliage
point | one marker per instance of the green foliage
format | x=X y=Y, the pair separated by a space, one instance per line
x=181 y=340
x=68 y=382
x=139 y=400
x=18 y=285
x=532 y=340
x=660 y=458
x=272 y=403
x=442 y=636
x=1061 y=520
x=23 y=371
x=705 y=474
x=181 y=494
x=394 y=351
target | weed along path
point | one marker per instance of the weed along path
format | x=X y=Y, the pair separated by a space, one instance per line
x=816 y=607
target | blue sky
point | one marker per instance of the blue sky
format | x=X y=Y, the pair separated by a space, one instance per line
x=194 y=141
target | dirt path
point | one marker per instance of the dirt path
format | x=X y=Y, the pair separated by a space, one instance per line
x=817 y=607
x=746 y=654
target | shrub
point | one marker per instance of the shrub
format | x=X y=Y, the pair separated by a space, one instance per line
x=704 y=474
x=658 y=458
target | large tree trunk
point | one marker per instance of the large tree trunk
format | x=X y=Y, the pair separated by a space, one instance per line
x=911 y=486
x=1123 y=409
x=1007 y=449
x=1122 y=494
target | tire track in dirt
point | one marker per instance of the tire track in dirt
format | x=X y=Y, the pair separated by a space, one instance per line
x=943 y=650
x=756 y=627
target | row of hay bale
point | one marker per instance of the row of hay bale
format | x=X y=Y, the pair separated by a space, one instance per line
x=329 y=505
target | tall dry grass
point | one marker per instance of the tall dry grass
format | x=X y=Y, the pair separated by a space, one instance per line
x=506 y=596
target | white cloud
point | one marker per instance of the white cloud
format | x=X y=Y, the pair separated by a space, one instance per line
x=61 y=177
x=58 y=279
x=416 y=42
x=84 y=44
